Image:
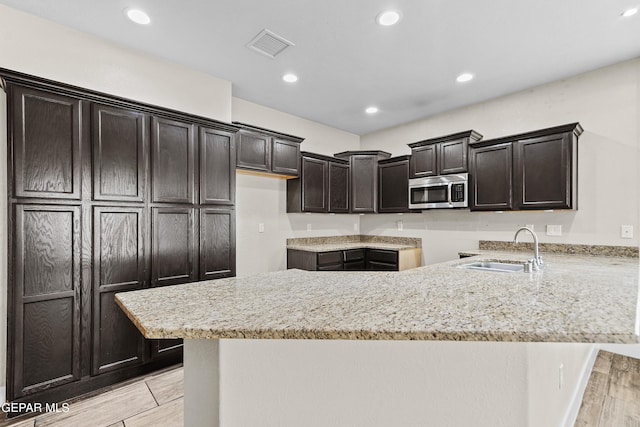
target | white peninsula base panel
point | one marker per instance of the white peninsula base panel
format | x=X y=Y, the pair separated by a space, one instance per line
x=334 y=383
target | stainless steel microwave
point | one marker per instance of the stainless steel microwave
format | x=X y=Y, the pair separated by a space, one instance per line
x=439 y=192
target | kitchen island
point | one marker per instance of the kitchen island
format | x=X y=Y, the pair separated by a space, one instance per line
x=575 y=299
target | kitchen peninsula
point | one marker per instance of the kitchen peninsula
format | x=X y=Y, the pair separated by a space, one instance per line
x=575 y=299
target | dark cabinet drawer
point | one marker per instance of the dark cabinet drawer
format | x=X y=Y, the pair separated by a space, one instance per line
x=381 y=255
x=353 y=255
x=325 y=258
x=382 y=266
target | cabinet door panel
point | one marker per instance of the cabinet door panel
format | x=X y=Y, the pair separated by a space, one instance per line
x=217 y=243
x=423 y=161
x=118 y=266
x=314 y=185
x=254 y=151
x=491 y=172
x=452 y=157
x=285 y=157
x=46 y=144
x=338 y=188
x=217 y=167
x=173 y=152
x=173 y=246
x=394 y=187
x=46 y=298
x=364 y=184
x=543 y=173
x=119 y=146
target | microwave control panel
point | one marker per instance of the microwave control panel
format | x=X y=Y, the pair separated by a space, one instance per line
x=458 y=193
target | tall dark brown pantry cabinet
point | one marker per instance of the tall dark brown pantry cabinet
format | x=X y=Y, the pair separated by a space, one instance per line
x=105 y=195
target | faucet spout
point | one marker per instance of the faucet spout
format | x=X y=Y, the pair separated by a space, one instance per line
x=537 y=260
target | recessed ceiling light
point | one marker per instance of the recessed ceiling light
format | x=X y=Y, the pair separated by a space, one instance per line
x=138 y=16
x=630 y=12
x=290 y=78
x=388 y=17
x=464 y=77
x=371 y=110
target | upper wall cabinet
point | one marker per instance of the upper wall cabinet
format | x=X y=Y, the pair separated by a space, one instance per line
x=119 y=139
x=46 y=144
x=394 y=185
x=441 y=156
x=534 y=170
x=217 y=167
x=172 y=160
x=264 y=151
x=363 y=176
x=323 y=185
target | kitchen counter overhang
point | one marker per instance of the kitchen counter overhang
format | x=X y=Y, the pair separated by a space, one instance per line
x=574 y=299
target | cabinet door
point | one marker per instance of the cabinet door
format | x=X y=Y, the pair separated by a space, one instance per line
x=45 y=288
x=364 y=184
x=381 y=259
x=543 y=172
x=423 y=161
x=118 y=266
x=314 y=185
x=491 y=177
x=394 y=187
x=452 y=157
x=285 y=157
x=119 y=147
x=173 y=246
x=172 y=161
x=254 y=151
x=46 y=139
x=217 y=243
x=217 y=167
x=338 y=188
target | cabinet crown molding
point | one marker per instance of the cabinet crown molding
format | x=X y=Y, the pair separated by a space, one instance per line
x=270 y=132
x=575 y=128
x=471 y=134
x=381 y=154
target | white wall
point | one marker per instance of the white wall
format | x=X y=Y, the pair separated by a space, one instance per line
x=607 y=104
x=263 y=200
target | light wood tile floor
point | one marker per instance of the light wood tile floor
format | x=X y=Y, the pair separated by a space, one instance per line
x=151 y=401
x=612 y=396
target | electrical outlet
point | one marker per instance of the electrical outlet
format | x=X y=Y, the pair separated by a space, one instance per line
x=261 y=227
x=400 y=225
x=626 y=231
x=308 y=227
x=554 y=230
x=355 y=226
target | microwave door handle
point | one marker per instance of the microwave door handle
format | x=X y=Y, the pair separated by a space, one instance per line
x=449 y=194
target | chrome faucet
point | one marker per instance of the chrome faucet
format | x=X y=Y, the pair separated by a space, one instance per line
x=536 y=262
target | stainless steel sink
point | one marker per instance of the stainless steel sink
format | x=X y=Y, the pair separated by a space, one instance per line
x=503 y=267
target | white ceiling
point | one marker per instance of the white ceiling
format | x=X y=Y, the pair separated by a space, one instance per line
x=346 y=62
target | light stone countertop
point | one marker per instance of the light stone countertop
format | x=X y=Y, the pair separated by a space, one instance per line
x=328 y=247
x=576 y=298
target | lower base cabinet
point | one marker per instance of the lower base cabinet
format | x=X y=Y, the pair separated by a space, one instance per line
x=365 y=259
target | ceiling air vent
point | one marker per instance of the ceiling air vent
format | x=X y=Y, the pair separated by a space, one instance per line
x=269 y=43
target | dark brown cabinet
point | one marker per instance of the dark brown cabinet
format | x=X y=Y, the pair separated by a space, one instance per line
x=441 y=156
x=268 y=152
x=394 y=185
x=119 y=148
x=105 y=195
x=359 y=259
x=363 y=177
x=322 y=186
x=534 y=170
x=491 y=177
